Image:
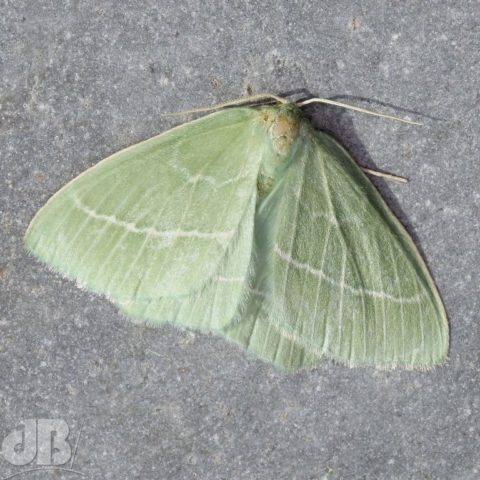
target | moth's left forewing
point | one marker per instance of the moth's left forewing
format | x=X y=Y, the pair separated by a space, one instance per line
x=349 y=282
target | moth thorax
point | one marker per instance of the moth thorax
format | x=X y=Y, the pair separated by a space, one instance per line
x=284 y=130
x=283 y=127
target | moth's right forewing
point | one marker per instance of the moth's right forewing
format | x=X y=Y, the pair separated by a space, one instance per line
x=156 y=218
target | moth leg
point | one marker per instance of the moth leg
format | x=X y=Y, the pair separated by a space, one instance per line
x=388 y=176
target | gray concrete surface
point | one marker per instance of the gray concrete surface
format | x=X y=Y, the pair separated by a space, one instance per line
x=81 y=79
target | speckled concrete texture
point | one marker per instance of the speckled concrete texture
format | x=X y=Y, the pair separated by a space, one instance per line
x=82 y=79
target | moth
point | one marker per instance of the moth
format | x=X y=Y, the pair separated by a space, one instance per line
x=250 y=224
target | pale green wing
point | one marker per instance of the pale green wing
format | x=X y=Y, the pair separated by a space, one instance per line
x=214 y=304
x=349 y=282
x=253 y=327
x=157 y=218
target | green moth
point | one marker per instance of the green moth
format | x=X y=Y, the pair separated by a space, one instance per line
x=250 y=224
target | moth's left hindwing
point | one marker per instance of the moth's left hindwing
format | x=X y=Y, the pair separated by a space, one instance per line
x=157 y=219
x=254 y=327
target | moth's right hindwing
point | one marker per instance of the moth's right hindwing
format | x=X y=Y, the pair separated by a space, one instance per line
x=212 y=306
